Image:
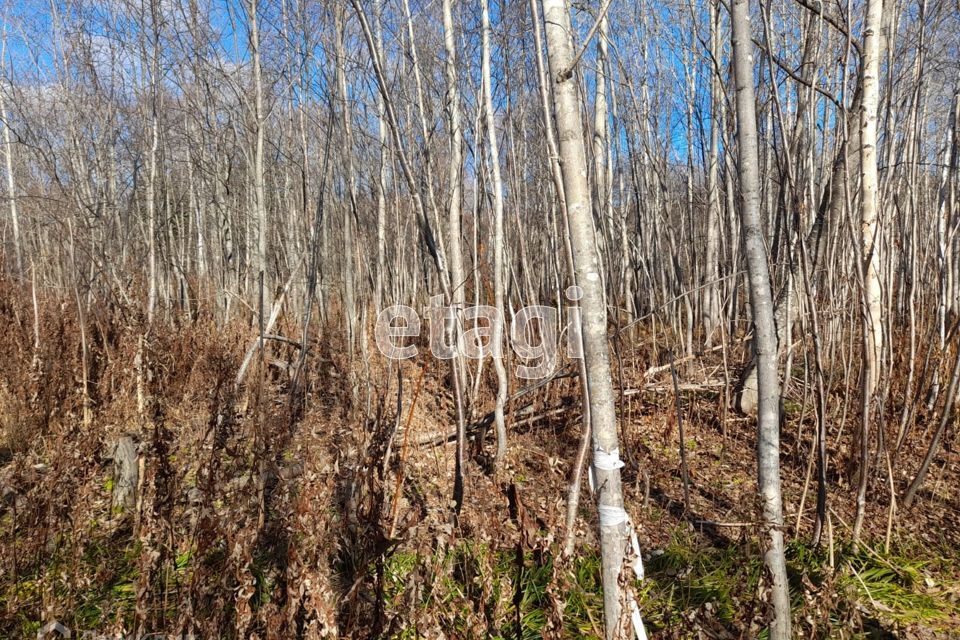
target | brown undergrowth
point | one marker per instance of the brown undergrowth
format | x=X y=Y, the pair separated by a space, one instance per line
x=324 y=509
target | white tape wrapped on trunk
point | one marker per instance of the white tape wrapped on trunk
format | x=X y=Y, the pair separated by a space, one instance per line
x=614 y=516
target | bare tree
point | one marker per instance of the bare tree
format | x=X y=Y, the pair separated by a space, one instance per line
x=499 y=249
x=455 y=231
x=614 y=522
x=764 y=326
x=11 y=179
x=869 y=238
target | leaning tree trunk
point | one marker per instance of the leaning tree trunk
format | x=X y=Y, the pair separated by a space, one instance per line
x=615 y=528
x=765 y=332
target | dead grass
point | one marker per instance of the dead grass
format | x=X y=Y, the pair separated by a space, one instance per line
x=263 y=517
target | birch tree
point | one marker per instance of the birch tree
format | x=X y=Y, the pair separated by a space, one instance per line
x=870 y=246
x=153 y=63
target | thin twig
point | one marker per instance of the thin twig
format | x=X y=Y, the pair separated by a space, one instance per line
x=566 y=73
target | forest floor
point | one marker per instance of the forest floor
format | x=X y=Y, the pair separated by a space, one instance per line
x=703 y=561
x=258 y=515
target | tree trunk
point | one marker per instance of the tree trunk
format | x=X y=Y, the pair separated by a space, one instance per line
x=382 y=174
x=761 y=303
x=869 y=231
x=499 y=249
x=259 y=188
x=711 y=272
x=11 y=180
x=614 y=522
x=126 y=473
x=457 y=283
x=350 y=211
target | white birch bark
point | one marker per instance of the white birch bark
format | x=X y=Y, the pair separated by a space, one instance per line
x=869 y=227
x=869 y=231
x=152 y=178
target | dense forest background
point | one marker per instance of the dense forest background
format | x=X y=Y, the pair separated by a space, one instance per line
x=207 y=204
